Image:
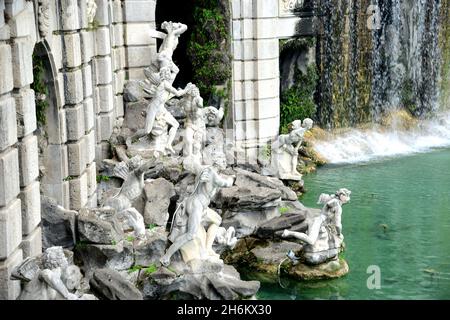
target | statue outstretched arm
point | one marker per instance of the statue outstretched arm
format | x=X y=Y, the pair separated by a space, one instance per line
x=174 y=91
x=181 y=29
x=220 y=181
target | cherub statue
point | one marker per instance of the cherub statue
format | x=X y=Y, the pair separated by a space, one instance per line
x=51 y=279
x=132 y=188
x=161 y=91
x=285 y=150
x=325 y=226
x=193 y=213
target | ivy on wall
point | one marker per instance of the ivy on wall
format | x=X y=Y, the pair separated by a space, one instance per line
x=40 y=89
x=208 y=48
x=297 y=102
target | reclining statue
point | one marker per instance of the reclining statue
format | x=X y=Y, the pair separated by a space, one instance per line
x=192 y=214
x=51 y=278
x=324 y=236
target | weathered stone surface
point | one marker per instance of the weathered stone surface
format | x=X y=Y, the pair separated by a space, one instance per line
x=28 y=160
x=8 y=131
x=275 y=252
x=10 y=228
x=9 y=176
x=273 y=227
x=32 y=244
x=31 y=207
x=133 y=92
x=225 y=285
x=110 y=285
x=25 y=112
x=58 y=224
x=158 y=193
x=247 y=197
x=152 y=248
x=246 y=178
x=99 y=226
x=330 y=270
x=10 y=289
x=6 y=78
x=247 y=222
x=116 y=257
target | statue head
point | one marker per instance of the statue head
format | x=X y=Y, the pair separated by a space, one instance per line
x=219 y=162
x=192 y=90
x=296 y=124
x=134 y=163
x=307 y=123
x=167 y=25
x=343 y=195
x=72 y=277
x=53 y=258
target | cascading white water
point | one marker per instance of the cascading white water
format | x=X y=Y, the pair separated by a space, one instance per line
x=358 y=145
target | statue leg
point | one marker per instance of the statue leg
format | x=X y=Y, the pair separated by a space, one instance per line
x=194 y=222
x=215 y=221
x=149 y=121
x=310 y=238
x=188 y=141
x=173 y=130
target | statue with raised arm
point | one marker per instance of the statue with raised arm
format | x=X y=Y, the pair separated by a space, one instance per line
x=161 y=92
x=324 y=237
x=188 y=232
x=53 y=278
x=131 y=189
x=284 y=154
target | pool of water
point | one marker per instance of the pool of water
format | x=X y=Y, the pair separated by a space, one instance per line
x=398 y=219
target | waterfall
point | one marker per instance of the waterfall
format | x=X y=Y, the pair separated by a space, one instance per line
x=359 y=145
x=396 y=62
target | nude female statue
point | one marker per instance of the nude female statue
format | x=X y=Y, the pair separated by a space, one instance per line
x=195 y=212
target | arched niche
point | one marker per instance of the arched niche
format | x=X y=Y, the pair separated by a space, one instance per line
x=53 y=166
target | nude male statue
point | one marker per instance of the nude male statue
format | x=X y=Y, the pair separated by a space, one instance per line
x=161 y=93
x=195 y=211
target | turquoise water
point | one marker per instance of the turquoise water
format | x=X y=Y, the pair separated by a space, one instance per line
x=398 y=219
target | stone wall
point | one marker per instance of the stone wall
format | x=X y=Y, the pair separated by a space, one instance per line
x=257 y=27
x=89 y=64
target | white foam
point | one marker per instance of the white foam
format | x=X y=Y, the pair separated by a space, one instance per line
x=359 y=145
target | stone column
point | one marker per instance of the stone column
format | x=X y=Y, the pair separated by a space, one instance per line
x=139 y=20
x=20 y=234
x=255 y=51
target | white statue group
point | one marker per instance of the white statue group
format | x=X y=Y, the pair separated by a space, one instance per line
x=188 y=232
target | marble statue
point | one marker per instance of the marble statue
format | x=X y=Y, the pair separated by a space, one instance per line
x=188 y=232
x=164 y=56
x=197 y=119
x=54 y=278
x=324 y=237
x=161 y=91
x=131 y=189
x=284 y=154
x=91 y=8
x=195 y=127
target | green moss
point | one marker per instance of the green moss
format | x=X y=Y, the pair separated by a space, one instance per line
x=40 y=88
x=102 y=178
x=283 y=210
x=151 y=226
x=208 y=49
x=297 y=102
x=135 y=268
x=68 y=178
x=130 y=238
x=150 y=269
